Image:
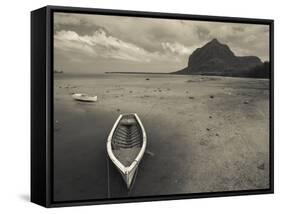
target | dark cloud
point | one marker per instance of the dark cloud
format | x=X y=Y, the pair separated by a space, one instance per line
x=81 y=29
x=238 y=28
x=203 y=33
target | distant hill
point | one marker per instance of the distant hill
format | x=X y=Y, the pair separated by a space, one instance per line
x=215 y=58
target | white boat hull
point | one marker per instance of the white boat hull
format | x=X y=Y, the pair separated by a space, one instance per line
x=85 y=98
x=129 y=178
x=127 y=172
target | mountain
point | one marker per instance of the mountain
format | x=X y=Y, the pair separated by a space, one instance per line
x=215 y=58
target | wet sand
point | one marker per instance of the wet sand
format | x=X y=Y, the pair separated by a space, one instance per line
x=205 y=134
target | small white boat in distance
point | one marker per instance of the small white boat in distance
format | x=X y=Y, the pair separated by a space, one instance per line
x=126 y=145
x=85 y=97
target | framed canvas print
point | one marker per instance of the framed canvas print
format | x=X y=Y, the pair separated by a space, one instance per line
x=138 y=106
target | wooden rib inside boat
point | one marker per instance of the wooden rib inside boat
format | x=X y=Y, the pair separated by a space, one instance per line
x=127 y=140
x=126 y=145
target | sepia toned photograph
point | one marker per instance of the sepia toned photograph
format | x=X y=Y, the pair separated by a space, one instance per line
x=148 y=107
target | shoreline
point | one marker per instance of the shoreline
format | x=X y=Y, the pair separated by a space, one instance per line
x=89 y=75
x=181 y=74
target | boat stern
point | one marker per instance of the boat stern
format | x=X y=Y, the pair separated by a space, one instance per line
x=129 y=176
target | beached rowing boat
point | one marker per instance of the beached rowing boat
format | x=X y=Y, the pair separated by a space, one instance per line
x=126 y=145
x=85 y=97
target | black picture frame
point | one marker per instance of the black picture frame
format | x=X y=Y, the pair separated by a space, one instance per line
x=42 y=104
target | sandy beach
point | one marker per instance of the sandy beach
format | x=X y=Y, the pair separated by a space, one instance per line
x=205 y=134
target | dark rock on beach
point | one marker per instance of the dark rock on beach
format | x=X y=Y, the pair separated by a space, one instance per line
x=261 y=167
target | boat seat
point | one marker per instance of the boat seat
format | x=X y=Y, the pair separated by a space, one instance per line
x=128 y=122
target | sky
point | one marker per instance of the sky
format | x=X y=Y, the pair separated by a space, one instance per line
x=86 y=43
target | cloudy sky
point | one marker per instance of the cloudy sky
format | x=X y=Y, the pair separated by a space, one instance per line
x=98 y=43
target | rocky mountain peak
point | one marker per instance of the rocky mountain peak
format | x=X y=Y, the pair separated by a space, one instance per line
x=216 y=58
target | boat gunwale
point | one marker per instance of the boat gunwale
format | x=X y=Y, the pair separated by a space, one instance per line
x=126 y=170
